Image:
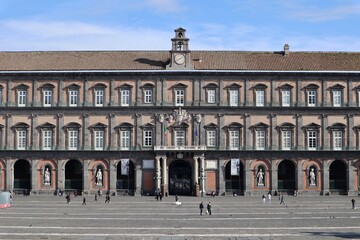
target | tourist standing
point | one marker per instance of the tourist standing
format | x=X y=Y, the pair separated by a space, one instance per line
x=84 y=201
x=201 y=207
x=208 y=207
x=282 y=200
x=353 y=203
x=269 y=197
x=263 y=198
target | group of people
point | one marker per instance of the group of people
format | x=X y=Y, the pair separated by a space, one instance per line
x=269 y=196
x=208 y=208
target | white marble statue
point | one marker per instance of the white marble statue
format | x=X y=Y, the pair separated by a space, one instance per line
x=47 y=177
x=312 y=177
x=99 y=177
x=260 y=177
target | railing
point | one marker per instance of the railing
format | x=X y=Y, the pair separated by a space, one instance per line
x=179 y=148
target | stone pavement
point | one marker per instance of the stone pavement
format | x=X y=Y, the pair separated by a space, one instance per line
x=49 y=217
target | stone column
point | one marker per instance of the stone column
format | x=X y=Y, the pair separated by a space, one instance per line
x=61 y=99
x=351 y=143
x=196 y=92
x=86 y=93
x=247 y=100
x=274 y=138
x=247 y=135
x=222 y=188
x=324 y=103
x=164 y=92
x=138 y=93
x=202 y=176
x=299 y=137
x=158 y=176
x=325 y=178
x=61 y=174
x=273 y=101
x=159 y=129
x=112 y=93
x=9 y=144
x=299 y=177
x=9 y=174
x=9 y=95
x=248 y=178
x=274 y=176
x=324 y=132
x=202 y=96
x=86 y=170
x=221 y=137
x=138 y=134
x=59 y=131
x=158 y=90
x=299 y=103
x=112 y=176
x=138 y=177
x=196 y=176
x=222 y=101
x=34 y=139
x=35 y=101
x=164 y=176
x=34 y=176
x=350 y=94
x=350 y=180
x=112 y=131
x=86 y=145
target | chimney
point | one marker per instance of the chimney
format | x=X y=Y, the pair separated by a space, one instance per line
x=286 y=49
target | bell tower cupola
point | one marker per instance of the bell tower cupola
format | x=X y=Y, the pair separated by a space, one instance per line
x=180 y=53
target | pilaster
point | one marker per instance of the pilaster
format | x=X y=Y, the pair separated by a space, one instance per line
x=9 y=174
x=299 y=102
x=112 y=175
x=35 y=102
x=351 y=143
x=61 y=174
x=222 y=187
x=86 y=182
x=59 y=131
x=221 y=124
x=138 y=123
x=61 y=102
x=112 y=124
x=274 y=143
x=34 y=176
x=222 y=101
x=299 y=139
x=112 y=93
x=247 y=100
x=350 y=93
x=196 y=176
x=164 y=176
x=86 y=93
x=86 y=145
x=9 y=144
x=138 y=177
x=325 y=178
x=9 y=94
x=196 y=92
x=274 y=176
x=157 y=176
x=138 y=93
x=34 y=140
x=247 y=136
x=164 y=92
x=158 y=90
x=350 y=180
x=324 y=132
x=202 y=175
x=248 y=178
x=299 y=177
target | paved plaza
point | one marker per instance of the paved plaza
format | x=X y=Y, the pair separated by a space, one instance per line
x=49 y=217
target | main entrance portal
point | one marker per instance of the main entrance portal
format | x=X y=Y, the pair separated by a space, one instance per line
x=73 y=176
x=286 y=176
x=180 y=182
x=338 y=176
x=22 y=174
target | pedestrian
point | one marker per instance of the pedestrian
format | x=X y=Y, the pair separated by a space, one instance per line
x=201 y=207
x=84 y=201
x=176 y=198
x=269 y=197
x=107 y=199
x=160 y=196
x=67 y=198
x=263 y=198
x=212 y=193
x=353 y=203
x=95 y=199
x=282 y=200
x=157 y=196
x=208 y=207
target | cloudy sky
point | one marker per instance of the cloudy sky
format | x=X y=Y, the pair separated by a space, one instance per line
x=249 y=25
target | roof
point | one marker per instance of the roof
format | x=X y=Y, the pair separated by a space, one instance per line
x=157 y=60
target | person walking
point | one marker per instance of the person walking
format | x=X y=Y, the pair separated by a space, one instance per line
x=176 y=198
x=84 y=201
x=282 y=200
x=67 y=198
x=353 y=203
x=263 y=199
x=208 y=207
x=269 y=197
x=95 y=199
x=201 y=207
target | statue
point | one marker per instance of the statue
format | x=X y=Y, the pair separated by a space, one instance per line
x=99 y=177
x=198 y=118
x=47 y=177
x=260 y=177
x=161 y=118
x=312 y=177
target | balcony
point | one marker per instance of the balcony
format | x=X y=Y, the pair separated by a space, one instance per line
x=179 y=148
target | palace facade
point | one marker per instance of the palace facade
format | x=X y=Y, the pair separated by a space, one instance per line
x=184 y=122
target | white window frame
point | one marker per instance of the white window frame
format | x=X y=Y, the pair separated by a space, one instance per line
x=47 y=139
x=211 y=138
x=148 y=96
x=260 y=139
x=179 y=97
x=99 y=97
x=234 y=97
x=99 y=139
x=260 y=97
x=337 y=97
x=179 y=137
x=21 y=98
x=125 y=97
x=73 y=139
x=21 y=136
x=234 y=139
x=147 y=137
x=47 y=97
x=211 y=96
x=286 y=136
x=311 y=98
x=337 y=140
x=312 y=139
x=73 y=97
x=125 y=139
x=285 y=97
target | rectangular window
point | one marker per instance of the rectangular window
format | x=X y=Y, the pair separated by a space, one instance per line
x=47 y=97
x=338 y=140
x=234 y=140
x=99 y=139
x=148 y=96
x=286 y=140
x=21 y=98
x=73 y=139
x=337 y=98
x=211 y=138
x=125 y=140
x=179 y=138
x=125 y=97
x=47 y=139
x=312 y=140
x=147 y=138
x=285 y=97
x=260 y=140
x=73 y=98
x=21 y=139
x=211 y=96
x=260 y=98
x=180 y=97
x=311 y=98
x=99 y=97
x=234 y=97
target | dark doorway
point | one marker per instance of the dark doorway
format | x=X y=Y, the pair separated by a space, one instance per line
x=286 y=176
x=180 y=181
x=338 y=176
x=125 y=177
x=73 y=176
x=22 y=175
x=234 y=183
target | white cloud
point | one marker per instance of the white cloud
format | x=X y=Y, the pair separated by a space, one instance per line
x=164 y=5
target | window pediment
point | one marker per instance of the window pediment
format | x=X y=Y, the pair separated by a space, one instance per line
x=22 y=87
x=233 y=86
x=98 y=126
x=286 y=86
x=180 y=85
x=148 y=85
x=125 y=86
x=337 y=86
x=210 y=126
x=47 y=86
x=21 y=125
x=260 y=86
x=73 y=86
x=211 y=85
x=72 y=125
x=312 y=126
x=233 y=125
x=124 y=126
x=260 y=125
x=46 y=125
x=147 y=126
x=311 y=86
x=99 y=85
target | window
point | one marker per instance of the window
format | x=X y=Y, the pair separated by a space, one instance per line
x=260 y=98
x=73 y=97
x=125 y=97
x=260 y=142
x=285 y=97
x=337 y=140
x=21 y=139
x=179 y=97
x=211 y=138
x=286 y=140
x=179 y=137
x=337 y=98
x=234 y=139
x=147 y=138
x=47 y=139
x=99 y=139
x=211 y=96
x=47 y=94
x=73 y=139
x=21 y=98
x=312 y=140
x=148 y=96
x=125 y=139
x=99 y=97
x=234 y=97
x=311 y=98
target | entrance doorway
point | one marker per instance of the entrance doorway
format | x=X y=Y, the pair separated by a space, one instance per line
x=125 y=177
x=234 y=183
x=22 y=175
x=180 y=182
x=338 y=176
x=286 y=176
x=73 y=176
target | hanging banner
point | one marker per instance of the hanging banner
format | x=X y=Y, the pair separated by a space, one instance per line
x=235 y=165
x=124 y=166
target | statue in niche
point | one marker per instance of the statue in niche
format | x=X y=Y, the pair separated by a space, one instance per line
x=47 y=177
x=260 y=177
x=312 y=177
x=99 y=177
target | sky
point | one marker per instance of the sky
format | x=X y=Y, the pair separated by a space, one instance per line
x=230 y=25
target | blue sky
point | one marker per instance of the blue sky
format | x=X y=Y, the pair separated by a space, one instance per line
x=245 y=25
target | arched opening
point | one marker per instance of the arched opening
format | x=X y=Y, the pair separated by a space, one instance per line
x=125 y=176
x=180 y=181
x=73 y=176
x=22 y=175
x=338 y=176
x=286 y=176
x=234 y=179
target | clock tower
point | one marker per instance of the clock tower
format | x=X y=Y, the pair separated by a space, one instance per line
x=180 y=53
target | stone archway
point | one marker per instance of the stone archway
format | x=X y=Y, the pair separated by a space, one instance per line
x=22 y=175
x=337 y=176
x=234 y=183
x=125 y=176
x=180 y=180
x=286 y=176
x=73 y=176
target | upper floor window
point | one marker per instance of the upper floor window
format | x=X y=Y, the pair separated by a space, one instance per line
x=211 y=96
x=233 y=95
x=179 y=137
x=73 y=93
x=259 y=91
x=46 y=140
x=98 y=131
x=22 y=95
x=234 y=134
x=47 y=94
x=179 y=97
x=337 y=132
x=99 y=97
x=311 y=95
x=125 y=134
x=312 y=135
x=73 y=133
x=125 y=97
x=148 y=91
x=148 y=130
x=211 y=133
x=337 y=98
x=21 y=130
x=260 y=136
x=285 y=95
x=286 y=135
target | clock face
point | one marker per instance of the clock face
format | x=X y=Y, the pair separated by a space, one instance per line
x=179 y=59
